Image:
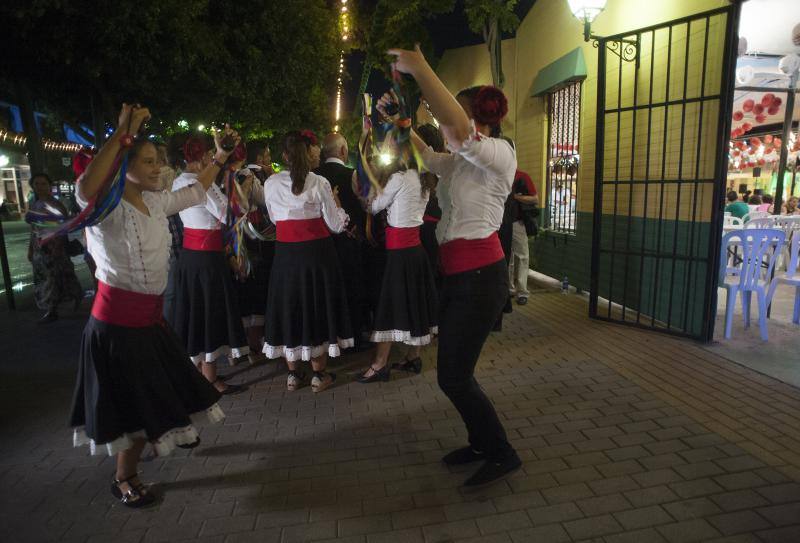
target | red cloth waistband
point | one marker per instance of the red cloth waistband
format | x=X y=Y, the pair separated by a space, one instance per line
x=301 y=230
x=127 y=308
x=461 y=255
x=402 y=238
x=199 y=239
x=430 y=218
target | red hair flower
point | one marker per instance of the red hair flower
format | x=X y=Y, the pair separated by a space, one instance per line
x=194 y=149
x=309 y=137
x=81 y=161
x=489 y=106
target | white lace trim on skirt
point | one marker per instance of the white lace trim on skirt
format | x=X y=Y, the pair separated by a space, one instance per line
x=403 y=336
x=305 y=353
x=163 y=445
x=235 y=352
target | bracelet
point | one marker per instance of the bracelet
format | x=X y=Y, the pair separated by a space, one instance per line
x=217 y=163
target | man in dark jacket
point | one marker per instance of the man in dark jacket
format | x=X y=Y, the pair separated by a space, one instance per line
x=350 y=243
x=525 y=198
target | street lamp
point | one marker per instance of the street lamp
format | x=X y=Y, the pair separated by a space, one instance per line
x=586 y=11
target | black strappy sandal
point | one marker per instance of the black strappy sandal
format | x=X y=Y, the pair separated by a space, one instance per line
x=411 y=366
x=135 y=497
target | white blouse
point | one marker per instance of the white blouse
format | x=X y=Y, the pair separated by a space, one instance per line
x=474 y=182
x=131 y=249
x=402 y=196
x=207 y=215
x=315 y=201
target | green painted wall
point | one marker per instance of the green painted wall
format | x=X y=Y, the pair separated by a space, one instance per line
x=671 y=290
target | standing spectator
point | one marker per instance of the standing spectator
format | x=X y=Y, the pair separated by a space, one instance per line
x=736 y=207
x=54 y=278
x=523 y=224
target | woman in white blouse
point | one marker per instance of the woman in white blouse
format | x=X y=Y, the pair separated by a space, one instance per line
x=307 y=317
x=407 y=309
x=205 y=313
x=136 y=384
x=474 y=182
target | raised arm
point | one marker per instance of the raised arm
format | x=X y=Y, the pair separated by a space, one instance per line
x=453 y=121
x=131 y=118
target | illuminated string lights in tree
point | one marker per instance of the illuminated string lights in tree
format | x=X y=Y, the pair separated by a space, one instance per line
x=48 y=145
x=344 y=25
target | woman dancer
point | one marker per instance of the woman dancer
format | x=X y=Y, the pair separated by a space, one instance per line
x=135 y=381
x=474 y=182
x=307 y=315
x=54 y=278
x=206 y=312
x=407 y=307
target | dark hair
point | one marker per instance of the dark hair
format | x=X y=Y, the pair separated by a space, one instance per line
x=433 y=138
x=733 y=195
x=767 y=199
x=255 y=149
x=44 y=175
x=754 y=200
x=139 y=143
x=296 y=148
x=471 y=95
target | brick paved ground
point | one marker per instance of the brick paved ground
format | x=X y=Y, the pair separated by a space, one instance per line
x=626 y=436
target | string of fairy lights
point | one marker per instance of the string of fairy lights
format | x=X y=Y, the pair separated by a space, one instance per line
x=344 y=24
x=20 y=140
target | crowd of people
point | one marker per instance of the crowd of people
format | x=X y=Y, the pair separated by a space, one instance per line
x=740 y=206
x=329 y=267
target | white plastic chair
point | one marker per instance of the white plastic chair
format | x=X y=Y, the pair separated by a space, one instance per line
x=790 y=224
x=730 y=222
x=756 y=215
x=758 y=246
x=792 y=278
x=761 y=222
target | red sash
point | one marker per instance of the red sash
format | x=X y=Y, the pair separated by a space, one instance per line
x=198 y=239
x=402 y=238
x=301 y=230
x=127 y=308
x=461 y=255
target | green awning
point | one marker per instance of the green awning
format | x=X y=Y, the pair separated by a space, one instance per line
x=568 y=69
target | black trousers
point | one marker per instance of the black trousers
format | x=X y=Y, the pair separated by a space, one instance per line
x=350 y=255
x=469 y=306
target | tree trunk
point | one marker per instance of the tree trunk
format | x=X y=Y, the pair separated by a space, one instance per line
x=494 y=42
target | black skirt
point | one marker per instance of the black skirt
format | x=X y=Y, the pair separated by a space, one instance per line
x=252 y=292
x=205 y=313
x=138 y=382
x=307 y=310
x=407 y=310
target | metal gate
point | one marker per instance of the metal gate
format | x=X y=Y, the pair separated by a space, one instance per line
x=663 y=117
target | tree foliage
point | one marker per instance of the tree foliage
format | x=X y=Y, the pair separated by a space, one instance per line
x=481 y=13
x=266 y=65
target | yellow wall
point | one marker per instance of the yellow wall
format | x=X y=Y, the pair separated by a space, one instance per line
x=550 y=31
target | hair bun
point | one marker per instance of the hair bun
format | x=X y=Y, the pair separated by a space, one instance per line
x=194 y=149
x=490 y=106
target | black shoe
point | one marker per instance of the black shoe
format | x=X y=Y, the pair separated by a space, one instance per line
x=47 y=318
x=136 y=497
x=463 y=456
x=411 y=366
x=232 y=389
x=191 y=445
x=522 y=300
x=383 y=374
x=493 y=471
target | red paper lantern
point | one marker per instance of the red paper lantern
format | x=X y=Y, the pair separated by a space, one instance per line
x=773 y=109
x=777 y=101
x=736 y=152
x=761 y=118
x=768 y=138
x=747 y=127
x=767 y=99
x=758 y=109
x=742 y=145
x=761 y=161
x=748 y=104
x=755 y=142
x=738 y=115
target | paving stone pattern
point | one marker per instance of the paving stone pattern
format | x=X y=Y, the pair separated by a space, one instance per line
x=626 y=436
